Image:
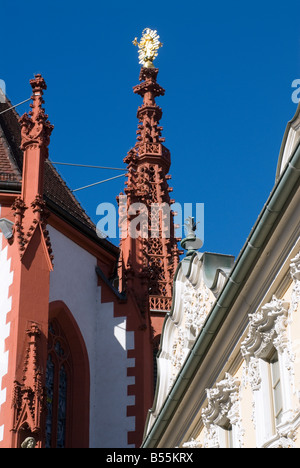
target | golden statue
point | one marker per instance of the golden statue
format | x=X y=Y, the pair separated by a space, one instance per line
x=148 y=47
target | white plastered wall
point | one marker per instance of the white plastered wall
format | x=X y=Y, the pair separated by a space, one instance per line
x=6 y=279
x=74 y=281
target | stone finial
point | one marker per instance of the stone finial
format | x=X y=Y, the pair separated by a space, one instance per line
x=35 y=127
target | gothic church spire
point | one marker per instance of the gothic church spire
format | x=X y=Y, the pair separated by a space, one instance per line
x=149 y=260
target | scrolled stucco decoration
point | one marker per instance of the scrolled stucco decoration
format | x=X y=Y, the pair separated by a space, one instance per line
x=254 y=374
x=192 y=443
x=286 y=435
x=286 y=439
x=196 y=306
x=222 y=409
x=179 y=353
x=295 y=274
x=197 y=282
x=267 y=328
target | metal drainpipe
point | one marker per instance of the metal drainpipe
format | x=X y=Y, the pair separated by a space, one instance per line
x=10 y=187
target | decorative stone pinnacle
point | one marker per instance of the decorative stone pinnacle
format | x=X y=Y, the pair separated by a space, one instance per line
x=36 y=129
x=149 y=260
x=148 y=47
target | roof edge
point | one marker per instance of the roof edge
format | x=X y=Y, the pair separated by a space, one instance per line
x=289 y=126
x=268 y=219
x=89 y=232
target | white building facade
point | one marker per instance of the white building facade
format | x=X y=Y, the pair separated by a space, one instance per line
x=230 y=352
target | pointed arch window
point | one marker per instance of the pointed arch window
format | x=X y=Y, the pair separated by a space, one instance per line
x=67 y=382
x=58 y=381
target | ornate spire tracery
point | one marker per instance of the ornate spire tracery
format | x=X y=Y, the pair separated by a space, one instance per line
x=149 y=139
x=29 y=395
x=36 y=129
x=30 y=209
x=155 y=256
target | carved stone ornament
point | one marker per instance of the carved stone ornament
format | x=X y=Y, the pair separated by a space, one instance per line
x=30 y=210
x=36 y=129
x=29 y=395
x=41 y=215
x=19 y=209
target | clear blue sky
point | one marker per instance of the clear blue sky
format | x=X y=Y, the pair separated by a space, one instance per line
x=227 y=68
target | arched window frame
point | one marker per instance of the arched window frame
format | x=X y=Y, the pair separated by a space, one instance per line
x=60 y=355
x=78 y=396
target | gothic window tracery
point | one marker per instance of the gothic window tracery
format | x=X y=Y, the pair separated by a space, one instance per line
x=58 y=379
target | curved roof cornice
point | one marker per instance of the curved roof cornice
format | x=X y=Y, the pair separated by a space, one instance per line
x=290 y=141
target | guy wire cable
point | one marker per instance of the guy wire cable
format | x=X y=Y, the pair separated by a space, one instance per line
x=16 y=105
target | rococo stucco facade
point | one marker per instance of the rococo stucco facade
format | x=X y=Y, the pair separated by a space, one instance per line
x=229 y=362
